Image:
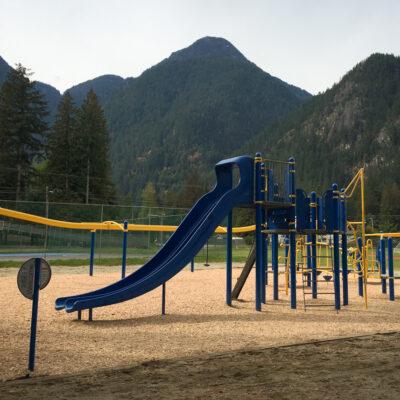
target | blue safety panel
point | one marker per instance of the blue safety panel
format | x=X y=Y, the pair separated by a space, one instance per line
x=302 y=210
x=329 y=211
x=320 y=218
x=183 y=245
x=278 y=218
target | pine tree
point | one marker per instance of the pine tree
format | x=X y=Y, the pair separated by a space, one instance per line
x=22 y=131
x=390 y=208
x=149 y=200
x=193 y=189
x=61 y=152
x=92 y=150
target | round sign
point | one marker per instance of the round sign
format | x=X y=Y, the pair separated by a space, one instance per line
x=26 y=276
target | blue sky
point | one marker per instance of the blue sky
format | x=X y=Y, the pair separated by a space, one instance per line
x=311 y=44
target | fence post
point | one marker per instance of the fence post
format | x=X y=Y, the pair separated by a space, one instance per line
x=124 y=244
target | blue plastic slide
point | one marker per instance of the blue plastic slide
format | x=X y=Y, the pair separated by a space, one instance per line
x=184 y=243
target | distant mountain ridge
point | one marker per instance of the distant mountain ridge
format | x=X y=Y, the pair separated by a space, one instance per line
x=192 y=109
x=104 y=86
x=207 y=102
x=355 y=123
x=208 y=47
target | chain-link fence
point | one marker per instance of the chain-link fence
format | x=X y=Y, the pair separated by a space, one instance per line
x=20 y=238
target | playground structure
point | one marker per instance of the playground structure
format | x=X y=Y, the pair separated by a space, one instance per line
x=312 y=228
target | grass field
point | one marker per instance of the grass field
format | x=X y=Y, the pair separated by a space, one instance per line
x=140 y=256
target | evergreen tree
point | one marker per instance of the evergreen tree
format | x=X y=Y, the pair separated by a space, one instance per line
x=62 y=154
x=389 y=218
x=149 y=200
x=193 y=189
x=92 y=151
x=22 y=131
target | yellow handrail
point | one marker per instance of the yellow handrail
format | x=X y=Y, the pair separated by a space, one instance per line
x=106 y=225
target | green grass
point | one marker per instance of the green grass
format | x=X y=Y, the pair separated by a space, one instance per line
x=79 y=262
x=215 y=255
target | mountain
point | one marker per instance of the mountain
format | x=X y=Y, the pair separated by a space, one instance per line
x=4 y=68
x=104 y=86
x=355 y=123
x=50 y=93
x=189 y=111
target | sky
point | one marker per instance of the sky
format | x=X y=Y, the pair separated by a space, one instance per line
x=308 y=43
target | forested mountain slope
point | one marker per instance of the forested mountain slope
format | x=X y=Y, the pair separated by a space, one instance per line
x=355 y=123
x=104 y=86
x=187 y=112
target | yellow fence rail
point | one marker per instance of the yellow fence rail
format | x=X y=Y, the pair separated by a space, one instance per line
x=106 y=225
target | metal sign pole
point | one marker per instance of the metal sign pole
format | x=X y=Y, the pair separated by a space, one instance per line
x=35 y=303
x=34 y=275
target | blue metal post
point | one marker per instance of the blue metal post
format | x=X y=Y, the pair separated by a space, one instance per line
x=35 y=306
x=192 y=265
x=286 y=242
x=90 y=314
x=263 y=236
x=275 y=266
x=314 y=225
x=264 y=270
x=292 y=246
x=308 y=247
x=266 y=256
x=270 y=184
x=345 y=272
x=124 y=245
x=92 y=243
x=259 y=236
x=229 y=260
x=336 y=251
x=382 y=259
x=292 y=234
x=359 y=267
x=163 y=299
x=390 y=268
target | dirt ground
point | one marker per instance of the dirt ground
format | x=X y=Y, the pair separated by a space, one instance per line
x=198 y=325
x=357 y=369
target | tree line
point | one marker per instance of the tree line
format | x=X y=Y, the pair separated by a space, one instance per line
x=68 y=157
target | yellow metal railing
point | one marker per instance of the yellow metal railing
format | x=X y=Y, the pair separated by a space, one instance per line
x=106 y=225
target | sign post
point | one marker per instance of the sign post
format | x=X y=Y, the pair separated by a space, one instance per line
x=33 y=276
x=35 y=303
